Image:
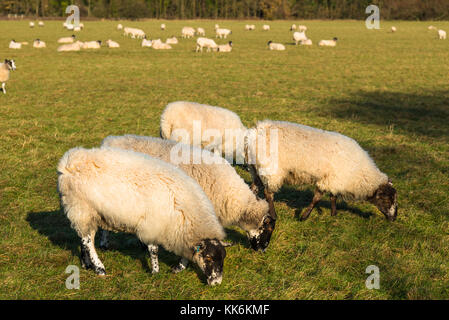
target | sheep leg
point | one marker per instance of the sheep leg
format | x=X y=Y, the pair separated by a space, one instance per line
x=316 y=198
x=89 y=257
x=3 y=88
x=333 y=205
x=257 y=184
x=104 y=239
x=181 y=266
x=153 y=249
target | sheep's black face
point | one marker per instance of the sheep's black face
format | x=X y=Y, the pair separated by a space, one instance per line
x=385 y=199
x=210 y=255
x=260 y=238
x=11 y=64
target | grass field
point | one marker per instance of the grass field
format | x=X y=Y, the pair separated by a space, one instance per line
x=388 y=91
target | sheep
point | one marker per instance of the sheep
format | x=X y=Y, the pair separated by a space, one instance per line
x=31 y=24
x=222 y=33
x=119 y=26
x=70 y=47
x=293 y=27
x=442 y=34
x=112 y=44
x=328 y=43
x=163 y=26
x=331 y=161
x=265 y=27
x=200 y=32
x=40 y=23
x=91 y=45
x=187 y=32
x=159 y=45
x=67 y=39
x=5 y=69
x=302 y=28
x=307 y=42
x=70 y=27
x=225 y=47
x=299 y=36
x=39 y=44
x=233 y=201
x=250 y=27
x=205 y=43
x=204 y=126
x=171 y=40
x=15 y=45
x=81 y=25
x=121 y=190
x=146 y=42
x=275 y=46
x=133 y=33
x=432 y=28
x=216 y=26
x=393 y=29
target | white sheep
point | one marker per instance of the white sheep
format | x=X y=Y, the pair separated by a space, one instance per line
x=159 y=45
x=205 y=43
x=187 y=32
x=40 y=23
x=293 y=27
x=393 y=29
x=233 y=201
x=119 y=26
x=5 y=69
x=146 y=42
x=15 y=45
x=432 y=28
x=442 y=34
x=67 y=39
x=91 y=45
x=332 y=162
x=225 y=47
x=133 y=32
x=76 y=46
x=70 y=27
x=81 y=25
x=112 y=44
x=302 y=28
x=275 y=46
x=31 y=24
x=191 y=122
x=265 y=27
x=39 y=44
x=125 y=191
x=171 y=40
x=216 y=26
x=162 y=26
x=299 y=37
x=250 y=27
x=222 y=33
x=328 y=43
x=200 y=32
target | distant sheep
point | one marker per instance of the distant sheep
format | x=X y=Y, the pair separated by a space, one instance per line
x=171 y=40
x=293 y=27
x=187 y=32
x=91 y=45
x=5 y=69
x=205 y=43
x=146 y=43
x=302 y=28
x=250 y=27
x=332 y=162
x=328 y=43
x=67 y=39
x=299 y=36
x=31 y=24
x=225 y=47
x=112 y=44
x=70 y=47
x=40 y=23
x=200 y=32
x=119 y=26
x=265 y=27
x=162 y=26
x=15 y=45
x=222 y=33
x=133 y=33
x=126 y=191
x=275 y=46
x=307 y=42
x=234 y=203
x=442 y=34
x=39 y=44
x=159 y=45
x=393 y=29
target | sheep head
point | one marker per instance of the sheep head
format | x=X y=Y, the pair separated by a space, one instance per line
x=385 y=199
x=209 y=254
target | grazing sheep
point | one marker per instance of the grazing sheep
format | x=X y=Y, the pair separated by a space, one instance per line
x=67 y=39
x=234 y=203
x=187 y=32
x=70 y=47
x=442 y=34
x=299 y=36
x=119 y=26
x=216 y=26
x=39 y=44
x=393 y=29
x=133 y=33
x=112 y=44
x=163 y=26
x=332 y=162
x=225 y=47
x=302 y=28
x=205 y=43
x=15 y=45
x=200 y=32
x=275 y=46
x=293 y=27
x=222 y=33
x=91 y=44
x=126 y=191
x=265 y=27
x=5 y=69
x=328 y=43
x=250 y=27
x=31 y=24
x=182 y=117
x=171 y=40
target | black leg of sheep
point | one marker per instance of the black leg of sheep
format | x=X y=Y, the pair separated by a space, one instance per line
x=316 y=198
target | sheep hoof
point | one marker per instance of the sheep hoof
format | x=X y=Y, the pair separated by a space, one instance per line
x=100 y=271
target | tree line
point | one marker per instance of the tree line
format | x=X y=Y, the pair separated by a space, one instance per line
x=231 y=9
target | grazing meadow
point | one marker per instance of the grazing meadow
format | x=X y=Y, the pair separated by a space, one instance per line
x=389 y=91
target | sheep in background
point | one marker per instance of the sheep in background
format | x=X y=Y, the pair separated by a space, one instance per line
x=293 y=27
x=15 y=45
x=302 y=28
x=40 y=23
x=183 y=116
x=171 y=40
x=70 y=47
x=112 y=44
x=91 y=44
x=432 y=28
x=205 y=43
x=265 y=27
x=332 y=162
x=233 y=201
x=328 y=43
x=307 y=42
x=225 y=47
x=126 y=191
x=442 y=34
x=67 y=39
x=216 y=26
x=188 y=32
x=31 y=24
x=163 y=26
x=299 y=36
x=146 y=42
x=222 y=33
x=39 y=44
x=250 y=27
x=119 y=26
x=5 y=70
x=200 y=32
x=133 y=33
x=159 y=45
x=393 y=29
x=275 y=46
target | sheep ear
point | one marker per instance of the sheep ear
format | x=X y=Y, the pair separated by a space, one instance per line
x=226 y=244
